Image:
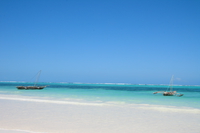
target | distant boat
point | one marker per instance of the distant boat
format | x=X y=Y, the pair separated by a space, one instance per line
x=170 y=88
x=35 y=87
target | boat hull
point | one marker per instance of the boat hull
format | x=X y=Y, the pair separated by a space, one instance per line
x=169 y=93
x=30 y=87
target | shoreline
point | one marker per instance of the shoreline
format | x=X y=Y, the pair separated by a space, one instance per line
x=45 y=117
x=155 y=107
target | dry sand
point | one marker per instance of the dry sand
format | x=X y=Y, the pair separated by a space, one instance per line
x=25 y=117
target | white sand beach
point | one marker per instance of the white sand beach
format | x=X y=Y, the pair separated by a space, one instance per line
x=40 y=117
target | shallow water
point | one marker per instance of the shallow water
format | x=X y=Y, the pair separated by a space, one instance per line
x=106 y=93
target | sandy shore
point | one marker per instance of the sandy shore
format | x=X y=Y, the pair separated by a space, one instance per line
x=36 y=117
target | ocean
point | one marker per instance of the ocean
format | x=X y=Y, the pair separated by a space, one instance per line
x=99 y=94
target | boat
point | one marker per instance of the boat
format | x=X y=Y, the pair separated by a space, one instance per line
x=35 y=87
x=30 y=87
x=170 y=88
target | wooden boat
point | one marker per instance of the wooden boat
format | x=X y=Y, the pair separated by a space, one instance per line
x=30 y=87
x=171 y=93
x=35 y=87
x=170 y=88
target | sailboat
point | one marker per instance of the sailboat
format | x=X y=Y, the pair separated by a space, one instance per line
x=170 y=88
x=35 y=87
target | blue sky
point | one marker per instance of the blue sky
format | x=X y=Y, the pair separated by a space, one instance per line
x=100 y=41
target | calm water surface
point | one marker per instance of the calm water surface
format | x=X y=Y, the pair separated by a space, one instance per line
x=102 y=93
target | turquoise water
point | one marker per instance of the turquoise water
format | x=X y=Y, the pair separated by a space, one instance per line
x=104 y=93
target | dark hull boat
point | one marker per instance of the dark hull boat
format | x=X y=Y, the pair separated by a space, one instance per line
x=30 y=87
x=35 y=87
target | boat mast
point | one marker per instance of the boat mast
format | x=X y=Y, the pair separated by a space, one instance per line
x=171 y=83
x=38 y=76
x=170 y=86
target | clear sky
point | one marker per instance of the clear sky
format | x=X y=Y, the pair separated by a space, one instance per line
x=100 y=41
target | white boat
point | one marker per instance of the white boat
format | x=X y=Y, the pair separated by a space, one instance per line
x=169 y=91
x=35 y=87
